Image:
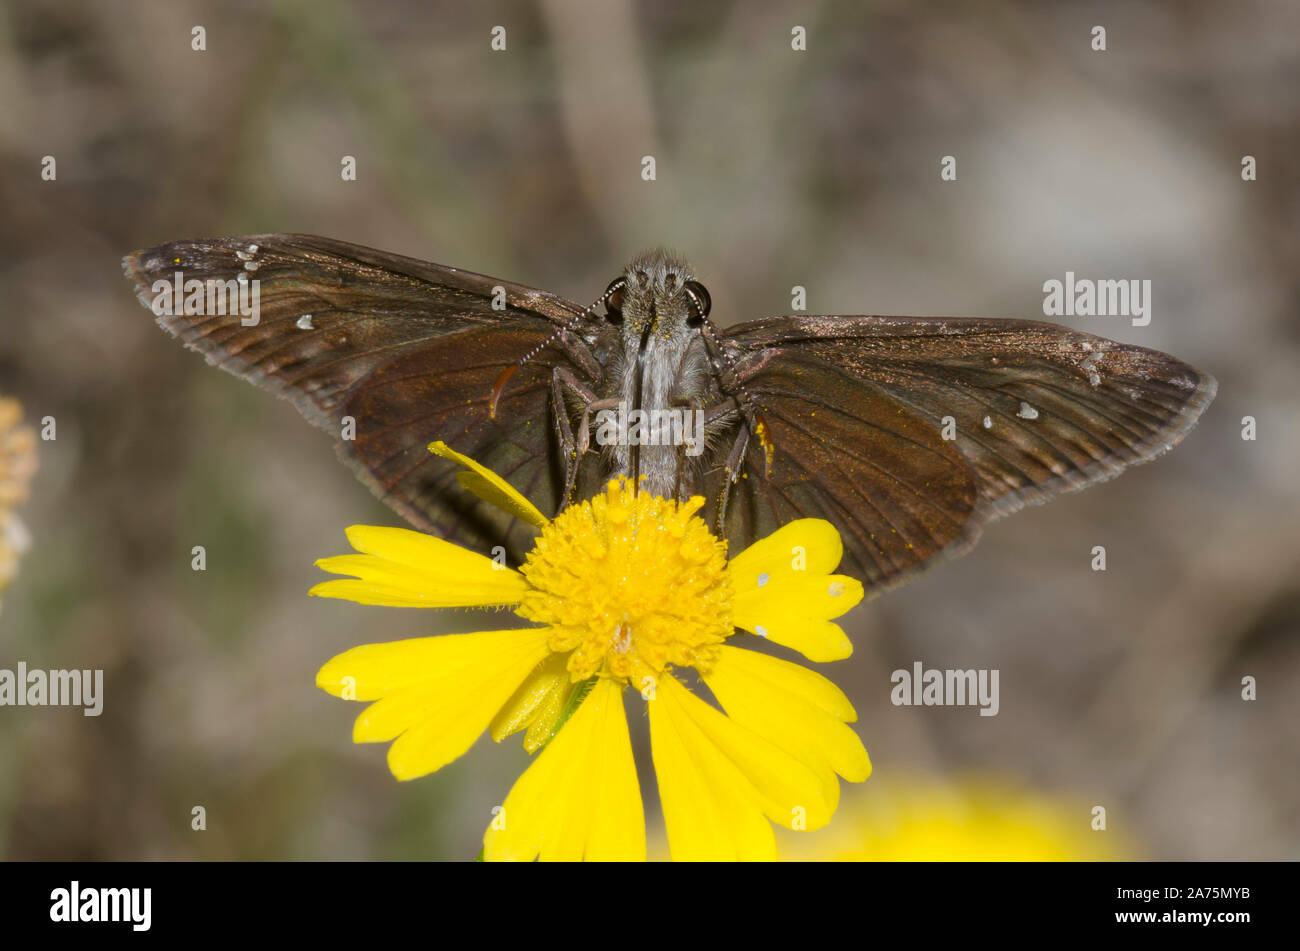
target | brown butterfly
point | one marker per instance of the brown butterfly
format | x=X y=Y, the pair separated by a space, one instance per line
x=907 y=433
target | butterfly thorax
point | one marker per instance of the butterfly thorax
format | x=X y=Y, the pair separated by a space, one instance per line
x=661 y=378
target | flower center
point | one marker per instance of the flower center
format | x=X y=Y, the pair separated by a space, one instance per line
x=630 y=583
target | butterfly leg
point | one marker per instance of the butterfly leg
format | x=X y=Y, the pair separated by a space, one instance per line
x=723 y=418
x=573 y=444
x=735 y=460
x=693 y=407
x=729 y=374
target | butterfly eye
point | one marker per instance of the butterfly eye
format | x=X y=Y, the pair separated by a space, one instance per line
x=614 y=298
x=699 y=300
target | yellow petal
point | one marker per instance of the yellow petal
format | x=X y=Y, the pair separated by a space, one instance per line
x=797 y=709
x=371 y=671
x=783 y=784
x=784 y=591
x=717 y=779
x=402 y=568
x=815 y=596
x=550 y=678
x=490 y=487
x=438 y=694
x=812 y=543
x=580 y=798
x=820 y=641
x=710 y=810
x=548 y=715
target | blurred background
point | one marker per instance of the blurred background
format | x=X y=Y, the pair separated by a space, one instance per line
x=775 y=168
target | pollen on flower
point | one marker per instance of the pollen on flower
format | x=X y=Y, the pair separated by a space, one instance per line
x=630 y=583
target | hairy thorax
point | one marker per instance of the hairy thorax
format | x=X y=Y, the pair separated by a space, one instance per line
x=669 y=385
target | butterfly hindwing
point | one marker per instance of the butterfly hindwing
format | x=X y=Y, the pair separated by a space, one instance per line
x=443 y=390
x=844 y=450
x=1032 y=410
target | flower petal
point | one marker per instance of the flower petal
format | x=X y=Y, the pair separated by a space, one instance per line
x=717 y=779
x=797 y=709
x=813 y=543
x=541 y=697
x=810 y=595
x=580 y=798
x=490 y=487
x=784 y=591
x=820 y=641
x=402 y=568
x=438 y=694
x=709 y=808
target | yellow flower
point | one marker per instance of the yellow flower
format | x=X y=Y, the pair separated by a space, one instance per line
x=17 y=464
x=975 y=819
x=626 y=588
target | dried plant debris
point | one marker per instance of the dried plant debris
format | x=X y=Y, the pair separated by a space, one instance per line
x=17 y=466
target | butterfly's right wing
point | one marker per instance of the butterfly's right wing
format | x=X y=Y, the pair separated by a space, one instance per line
x=857 y=409
x=387 y=354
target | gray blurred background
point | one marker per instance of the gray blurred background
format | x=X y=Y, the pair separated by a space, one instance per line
x=775 y=168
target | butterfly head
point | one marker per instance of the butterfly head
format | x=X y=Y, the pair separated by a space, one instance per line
x=656 y=294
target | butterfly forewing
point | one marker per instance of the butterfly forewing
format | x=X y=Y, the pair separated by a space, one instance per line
x=396 y=344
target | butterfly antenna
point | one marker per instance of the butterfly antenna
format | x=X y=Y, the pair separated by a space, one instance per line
x=504 y=376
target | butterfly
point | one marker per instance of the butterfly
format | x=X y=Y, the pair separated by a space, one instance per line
x=908 y=434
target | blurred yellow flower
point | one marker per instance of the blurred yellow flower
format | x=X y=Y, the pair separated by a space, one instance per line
x=17 y=465
x=625 y=587
x=909 y=819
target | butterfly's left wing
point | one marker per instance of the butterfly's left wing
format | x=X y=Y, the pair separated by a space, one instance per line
x=388 y=353
x=857 y=409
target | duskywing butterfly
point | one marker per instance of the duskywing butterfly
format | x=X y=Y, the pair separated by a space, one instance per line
x=907 y=433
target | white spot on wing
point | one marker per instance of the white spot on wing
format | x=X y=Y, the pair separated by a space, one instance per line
x=1026 y=411
x=304 y=322
x=1089 y=366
